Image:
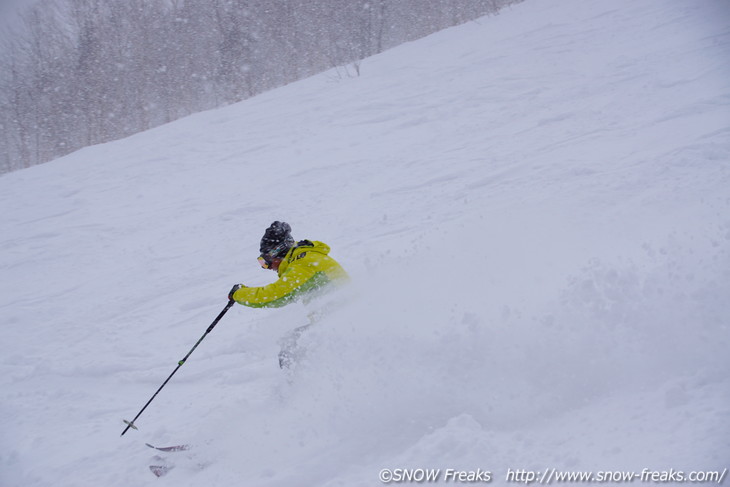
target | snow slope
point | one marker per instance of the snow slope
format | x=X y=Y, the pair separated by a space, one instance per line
x=535 y=209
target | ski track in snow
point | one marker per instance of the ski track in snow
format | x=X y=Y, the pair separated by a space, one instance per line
x=534 y=208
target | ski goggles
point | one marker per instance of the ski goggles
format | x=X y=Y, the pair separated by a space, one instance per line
x=265 y=261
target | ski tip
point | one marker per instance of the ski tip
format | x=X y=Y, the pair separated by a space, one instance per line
x=169 y=448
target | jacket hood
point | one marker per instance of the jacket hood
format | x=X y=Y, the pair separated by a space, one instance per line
x=309 y=246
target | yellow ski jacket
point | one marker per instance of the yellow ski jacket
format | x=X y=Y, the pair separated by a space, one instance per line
x=305 y=272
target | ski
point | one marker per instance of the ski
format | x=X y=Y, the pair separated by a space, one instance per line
x=169 y=448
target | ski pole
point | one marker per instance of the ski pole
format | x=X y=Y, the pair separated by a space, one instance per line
x=130 y=424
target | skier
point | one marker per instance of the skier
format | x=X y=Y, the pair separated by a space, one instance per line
x=305 y=271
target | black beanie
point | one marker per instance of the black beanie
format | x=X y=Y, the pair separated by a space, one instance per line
x=277 y=234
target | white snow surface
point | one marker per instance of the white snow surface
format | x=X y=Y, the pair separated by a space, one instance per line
x=535 y=212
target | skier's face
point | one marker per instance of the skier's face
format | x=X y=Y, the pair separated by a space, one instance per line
x=275 y=263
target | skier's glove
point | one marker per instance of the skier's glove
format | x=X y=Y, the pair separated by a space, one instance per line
x=233 y=290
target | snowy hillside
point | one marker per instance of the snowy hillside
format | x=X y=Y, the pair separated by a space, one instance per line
x=535 y=211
